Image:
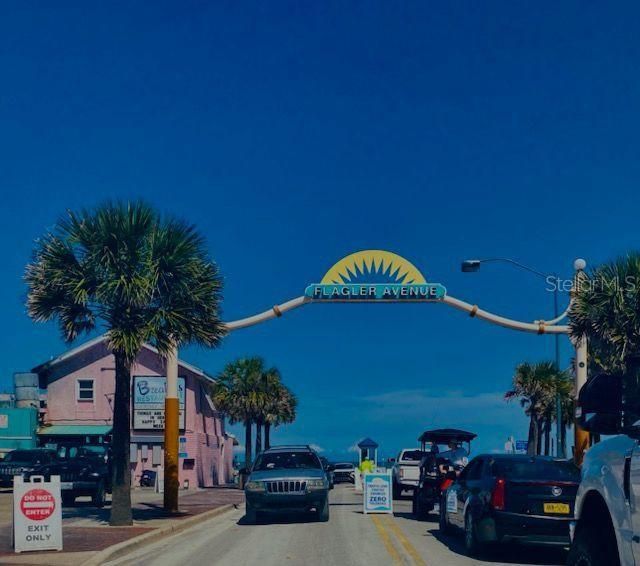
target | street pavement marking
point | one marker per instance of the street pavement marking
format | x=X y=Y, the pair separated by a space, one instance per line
x=386 y=539
x=411 y=550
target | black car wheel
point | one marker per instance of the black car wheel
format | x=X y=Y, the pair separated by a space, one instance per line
x=418 y=508
x=250 y=515
x=98 y=497
x=471 y=543
x=323 y=512
x=397 y=491
x=443 y=524
x=590 y=548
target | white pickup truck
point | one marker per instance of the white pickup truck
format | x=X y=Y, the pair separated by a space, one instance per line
x=606 y=527
x=406 y=471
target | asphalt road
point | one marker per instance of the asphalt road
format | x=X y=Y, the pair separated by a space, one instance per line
x=350 y=537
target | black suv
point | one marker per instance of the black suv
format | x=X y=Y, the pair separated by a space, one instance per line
x=287 y=478
x=25 y=463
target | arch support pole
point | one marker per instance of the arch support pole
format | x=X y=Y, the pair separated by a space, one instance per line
x=581 y=437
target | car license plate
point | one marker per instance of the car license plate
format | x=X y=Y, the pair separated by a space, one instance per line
x=558 y=508
x=66 y=485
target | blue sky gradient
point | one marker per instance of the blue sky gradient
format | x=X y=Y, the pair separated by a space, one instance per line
x=293 y=134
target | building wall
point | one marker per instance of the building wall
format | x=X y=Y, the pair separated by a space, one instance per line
x=203 y=436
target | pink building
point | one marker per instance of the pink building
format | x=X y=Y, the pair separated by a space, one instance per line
x=77 y=392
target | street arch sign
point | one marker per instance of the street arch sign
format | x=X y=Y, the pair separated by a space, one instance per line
x=374 y=276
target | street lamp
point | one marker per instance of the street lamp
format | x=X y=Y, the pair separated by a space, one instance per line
x=473 y=265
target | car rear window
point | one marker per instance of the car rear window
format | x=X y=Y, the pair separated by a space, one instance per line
x=412 y=455
x=287 y=461
x=535 y=469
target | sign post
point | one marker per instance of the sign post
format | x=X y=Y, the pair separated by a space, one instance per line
x=37 y=514
x=377 y=493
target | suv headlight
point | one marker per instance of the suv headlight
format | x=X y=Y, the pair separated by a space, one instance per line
x=254 y=486
x=316 y=484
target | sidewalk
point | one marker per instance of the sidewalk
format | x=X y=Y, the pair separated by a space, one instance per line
x=86 y=530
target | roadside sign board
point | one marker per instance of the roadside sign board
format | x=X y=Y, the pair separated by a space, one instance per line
x=148 y=402
x=37 y=514
x=522 y=445
x=377 y=492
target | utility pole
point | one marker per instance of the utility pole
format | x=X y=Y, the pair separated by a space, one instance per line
x=171 y=433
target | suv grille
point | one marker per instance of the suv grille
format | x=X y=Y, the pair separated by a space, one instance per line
x=287 y=486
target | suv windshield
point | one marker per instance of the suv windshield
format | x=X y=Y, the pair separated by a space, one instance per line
x=286 y=461
x=25 y=456
x=534 y=469
x=344 y=467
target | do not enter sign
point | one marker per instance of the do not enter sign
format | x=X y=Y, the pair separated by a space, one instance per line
x=37 y=504
x=37 y=514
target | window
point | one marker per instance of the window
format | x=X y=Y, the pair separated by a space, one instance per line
x=474 y=470
x=84 y=389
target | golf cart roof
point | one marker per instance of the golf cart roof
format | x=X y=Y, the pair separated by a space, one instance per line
x=446 y=435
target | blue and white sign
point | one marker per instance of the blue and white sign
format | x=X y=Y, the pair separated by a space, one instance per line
x=377 y=492
x=522 y=445
x=148 y=402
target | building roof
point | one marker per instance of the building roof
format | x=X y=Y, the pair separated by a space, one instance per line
x=75 y=430
x=367 y=443
x=99 y=339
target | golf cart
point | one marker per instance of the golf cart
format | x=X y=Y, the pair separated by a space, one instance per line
x=445 y=456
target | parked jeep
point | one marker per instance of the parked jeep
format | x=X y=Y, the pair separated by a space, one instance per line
x=83 y=470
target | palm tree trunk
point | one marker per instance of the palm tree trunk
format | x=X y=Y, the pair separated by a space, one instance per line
x=533 y=435
x=258 y=436
x=547 y=436
x=563 y=437
x=267 y=435
x=121 y=479
x=539 y=436
x=247 y=443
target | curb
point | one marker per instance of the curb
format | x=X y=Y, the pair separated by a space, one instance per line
x=126 y=546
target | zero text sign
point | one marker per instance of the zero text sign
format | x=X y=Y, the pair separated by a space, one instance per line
x=37 y=514
x=377 y=492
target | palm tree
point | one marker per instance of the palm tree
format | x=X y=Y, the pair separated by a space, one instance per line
x=138 y=277
x=533 y=385
x=606 y=309
x=237 y=394
x=270 y=385
x=281 y=411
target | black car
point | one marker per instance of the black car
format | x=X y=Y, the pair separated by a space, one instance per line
x=25 y=463
x=284 y=479
x=511 y=498
x=344 y=472
x=83 y=470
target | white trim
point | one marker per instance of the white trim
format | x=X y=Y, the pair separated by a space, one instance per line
x=93 y=390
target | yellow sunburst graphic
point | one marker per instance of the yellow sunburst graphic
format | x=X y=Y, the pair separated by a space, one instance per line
x=363 y=266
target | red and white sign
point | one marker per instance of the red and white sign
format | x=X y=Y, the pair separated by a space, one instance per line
x=37 y=504
x=37 y=514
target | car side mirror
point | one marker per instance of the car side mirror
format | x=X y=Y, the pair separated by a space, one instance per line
x=330 y=468
x=600 y=406
x=392 y=460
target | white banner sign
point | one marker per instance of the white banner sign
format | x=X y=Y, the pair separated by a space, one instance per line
x=37 y=514
x=148 y=402
x=377 y=492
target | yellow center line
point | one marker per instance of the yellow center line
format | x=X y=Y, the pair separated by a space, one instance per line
x=386 y=540
x=411 y=550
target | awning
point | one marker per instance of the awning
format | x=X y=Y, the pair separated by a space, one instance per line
x=75 y=430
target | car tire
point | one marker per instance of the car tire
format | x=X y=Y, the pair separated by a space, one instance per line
x=250 y=515
x=590 y=548
x=471 y=543
x=418 y=509
x=68 y=498
x=443 y=524
x=98 y=496
x=397 y=491
x=323 y=512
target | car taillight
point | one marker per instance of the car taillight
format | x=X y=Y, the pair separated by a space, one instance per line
x=497 y=495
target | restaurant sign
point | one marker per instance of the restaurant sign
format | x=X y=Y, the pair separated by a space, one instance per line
x=148 y=402
x=375 y=276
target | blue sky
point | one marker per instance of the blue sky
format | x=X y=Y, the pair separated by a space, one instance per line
x=293 y=134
